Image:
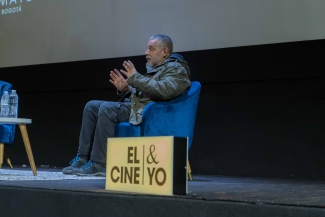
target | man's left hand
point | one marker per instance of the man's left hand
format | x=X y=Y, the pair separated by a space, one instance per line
x=118 y=81
x=129 y=67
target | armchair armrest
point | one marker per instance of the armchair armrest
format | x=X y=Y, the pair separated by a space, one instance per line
x=4 y=86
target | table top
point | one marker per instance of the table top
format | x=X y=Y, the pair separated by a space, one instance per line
x=15 y=121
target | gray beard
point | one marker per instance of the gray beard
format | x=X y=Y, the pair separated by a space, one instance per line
x=149 y=68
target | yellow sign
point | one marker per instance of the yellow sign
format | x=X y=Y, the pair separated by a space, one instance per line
x=141 y=164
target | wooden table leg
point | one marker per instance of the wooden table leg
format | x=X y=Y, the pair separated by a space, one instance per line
x=5 y=157
x=1 y=154
x=24 y=134
x=189 y=170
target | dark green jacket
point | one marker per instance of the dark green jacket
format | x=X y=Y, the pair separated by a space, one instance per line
x=161 y=83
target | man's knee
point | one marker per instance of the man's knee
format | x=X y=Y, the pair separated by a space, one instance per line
x=91 y=108
x=92 y=104
x=108 y=108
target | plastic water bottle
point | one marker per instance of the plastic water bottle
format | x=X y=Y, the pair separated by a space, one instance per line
x=5 y=105
x=13 y=104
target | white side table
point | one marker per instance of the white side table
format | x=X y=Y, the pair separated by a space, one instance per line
x=22 y=125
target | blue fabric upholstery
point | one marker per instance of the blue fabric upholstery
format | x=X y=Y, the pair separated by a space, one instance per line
x=125 y=129
x=7 y=131
x=174 y=118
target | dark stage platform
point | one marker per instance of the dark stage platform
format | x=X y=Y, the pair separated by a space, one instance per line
x=208 y=196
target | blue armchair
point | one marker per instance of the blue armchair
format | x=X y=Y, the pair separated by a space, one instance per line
x=7 y=131
x=174 y=118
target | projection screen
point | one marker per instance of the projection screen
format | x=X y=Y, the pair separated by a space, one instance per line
x=51 y=31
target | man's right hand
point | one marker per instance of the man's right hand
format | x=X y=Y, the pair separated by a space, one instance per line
x=118 y=81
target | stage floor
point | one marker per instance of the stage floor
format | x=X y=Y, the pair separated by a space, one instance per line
x=207 y=196
x=300 y=193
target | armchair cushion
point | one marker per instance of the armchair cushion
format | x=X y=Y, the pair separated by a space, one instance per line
x=125 y=129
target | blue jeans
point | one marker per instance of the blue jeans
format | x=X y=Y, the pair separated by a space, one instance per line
x=98 y=124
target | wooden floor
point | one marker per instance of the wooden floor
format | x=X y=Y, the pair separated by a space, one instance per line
x=302 y=193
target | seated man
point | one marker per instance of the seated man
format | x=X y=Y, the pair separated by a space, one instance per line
x=167 y=77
